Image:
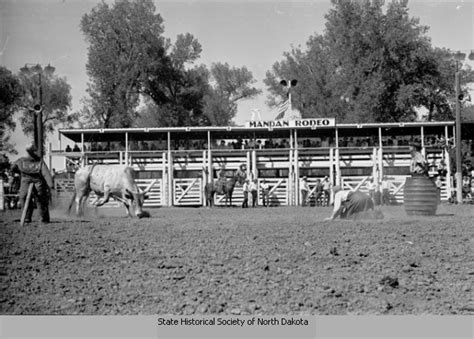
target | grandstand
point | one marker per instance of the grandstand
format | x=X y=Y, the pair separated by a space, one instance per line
x=280 y=153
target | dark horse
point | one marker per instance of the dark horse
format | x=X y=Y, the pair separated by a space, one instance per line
x=228 y=188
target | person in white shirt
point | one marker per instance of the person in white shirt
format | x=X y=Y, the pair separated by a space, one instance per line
x=304 y=188
x=326 y=191
x=349 y=204
x=254 y=192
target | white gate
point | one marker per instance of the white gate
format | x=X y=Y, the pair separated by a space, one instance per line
x=396 y=185
x=278 y=191
x=187 y=192
x=65 y=187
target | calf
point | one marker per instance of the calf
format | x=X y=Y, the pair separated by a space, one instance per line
x=116 y=181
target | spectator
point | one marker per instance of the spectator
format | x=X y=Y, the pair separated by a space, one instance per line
x=68 y=148
x=439 y=185
x=371 y=186
x=254 y=191
x=442 y=168
x=326 y=191
x=245 y=189
x=385 y=191
x=76 y=148
x=318 y=193
x=304 y=188
x=466 y=187
x=265 y=193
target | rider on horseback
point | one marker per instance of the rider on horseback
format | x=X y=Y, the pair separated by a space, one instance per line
x=221 y=180
x=242 y=171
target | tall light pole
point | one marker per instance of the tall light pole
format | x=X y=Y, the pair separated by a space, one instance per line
x=289 y=84
x=37 y=109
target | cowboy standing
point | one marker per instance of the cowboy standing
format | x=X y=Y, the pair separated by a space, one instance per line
x=246 y=190
x=304 y=188
x=326 y=191
x=34 y=171
x=254 y=191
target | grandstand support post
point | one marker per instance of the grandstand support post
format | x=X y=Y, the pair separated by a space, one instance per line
x=297 y=177
x=164 y=181
x=209 y=158
x=338 y=167
x=126 y=149
x=249 y=164
x=422 y=135
x=82 y=143
x=170 y=178
x=447 y=160
x=204 y=177
x=380 y=161
x=331 y=170
x=210 y=173
x=254 y=165
x=290 y=178
x=374 y=165
x=380 y=153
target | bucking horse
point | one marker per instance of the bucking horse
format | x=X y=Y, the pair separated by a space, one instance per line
x=226 y=188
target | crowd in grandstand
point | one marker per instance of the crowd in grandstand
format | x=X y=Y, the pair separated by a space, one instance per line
x=435 y=141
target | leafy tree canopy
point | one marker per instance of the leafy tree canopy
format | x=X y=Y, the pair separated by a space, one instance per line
x=367 y=66
x=124 y=39
x=56 y=99
x=11 y=93
x=130 y=63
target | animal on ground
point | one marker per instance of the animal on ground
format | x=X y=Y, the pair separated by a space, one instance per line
x=109 y=181
x=227 y=189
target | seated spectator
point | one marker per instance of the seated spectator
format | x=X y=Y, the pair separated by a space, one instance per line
x=325 y=143
x=68 y=148
x=76 y=148
x=442 y=168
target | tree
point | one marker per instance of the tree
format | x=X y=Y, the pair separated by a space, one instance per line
x=124 y=39
x=231 y=84
x=314 y=95
x=175 y=88
x=56 y=100
x=11 y=93
x=369 y=66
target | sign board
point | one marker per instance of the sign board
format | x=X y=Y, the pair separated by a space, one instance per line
x=298 y=123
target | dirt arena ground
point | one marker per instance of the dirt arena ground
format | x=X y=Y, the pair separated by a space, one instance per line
x=283 y=260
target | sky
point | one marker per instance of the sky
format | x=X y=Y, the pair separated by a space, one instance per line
x=250 y=33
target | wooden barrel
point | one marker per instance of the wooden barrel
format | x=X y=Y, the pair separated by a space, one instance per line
x=420 y=196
